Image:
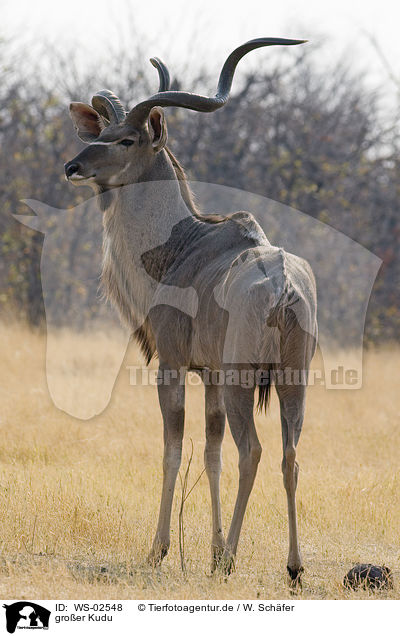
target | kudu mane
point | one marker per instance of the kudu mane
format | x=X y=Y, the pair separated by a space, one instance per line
x=187 y=194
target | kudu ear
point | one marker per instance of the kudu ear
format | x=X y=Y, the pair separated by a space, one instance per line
x=87 y=121
x=157 y=128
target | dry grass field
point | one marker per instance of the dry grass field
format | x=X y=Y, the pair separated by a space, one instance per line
x=79 y=499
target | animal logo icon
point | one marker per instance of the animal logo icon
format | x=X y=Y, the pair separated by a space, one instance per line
x=26 y=615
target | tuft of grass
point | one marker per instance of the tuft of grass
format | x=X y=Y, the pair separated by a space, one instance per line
x=79 y=498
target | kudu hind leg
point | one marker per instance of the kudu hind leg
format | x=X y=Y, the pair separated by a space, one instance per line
x=172 y=400
x=215 y=427
x=239 y=404
x=291 y=400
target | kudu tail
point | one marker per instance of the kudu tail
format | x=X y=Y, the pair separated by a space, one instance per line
x=264 y=391
x=281 y=320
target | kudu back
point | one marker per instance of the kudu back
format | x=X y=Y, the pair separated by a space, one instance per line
x=204 y=293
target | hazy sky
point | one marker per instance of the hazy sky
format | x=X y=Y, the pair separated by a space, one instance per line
x=221 y=24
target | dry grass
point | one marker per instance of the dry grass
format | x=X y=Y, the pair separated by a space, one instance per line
x=79 y=499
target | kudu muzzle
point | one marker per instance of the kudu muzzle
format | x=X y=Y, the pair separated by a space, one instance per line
x=83 y=166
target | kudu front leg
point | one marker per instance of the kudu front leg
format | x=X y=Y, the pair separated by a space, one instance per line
x=172 y=402
x=215 y=427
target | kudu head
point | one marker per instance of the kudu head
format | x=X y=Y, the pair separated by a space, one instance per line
x=123 y=146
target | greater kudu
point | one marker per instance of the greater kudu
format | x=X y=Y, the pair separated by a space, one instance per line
x=253 y=296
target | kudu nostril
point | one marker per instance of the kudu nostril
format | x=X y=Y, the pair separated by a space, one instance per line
x=71 y=168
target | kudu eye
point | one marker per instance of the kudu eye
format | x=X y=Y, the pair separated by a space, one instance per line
x=126 y=142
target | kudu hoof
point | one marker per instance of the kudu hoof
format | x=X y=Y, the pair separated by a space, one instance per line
x=156 y=555
x=217 y=553
x=295 y=577
x=226 y=563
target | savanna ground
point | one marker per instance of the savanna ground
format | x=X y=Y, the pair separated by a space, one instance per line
x=79 y=499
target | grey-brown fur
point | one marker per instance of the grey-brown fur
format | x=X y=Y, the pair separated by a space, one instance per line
x=204 y=293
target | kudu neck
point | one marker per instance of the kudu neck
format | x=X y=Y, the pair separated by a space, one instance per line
x=161 y=169
x=144 y=214
x=167 y=167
